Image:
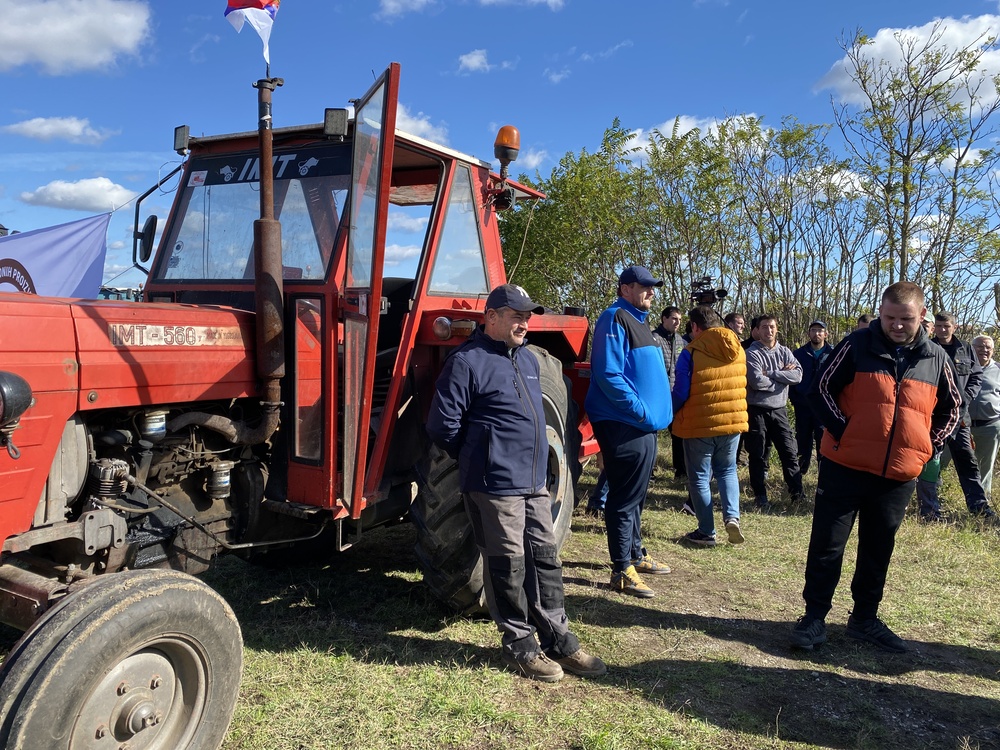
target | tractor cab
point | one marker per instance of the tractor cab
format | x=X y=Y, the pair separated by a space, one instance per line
x=382 y=234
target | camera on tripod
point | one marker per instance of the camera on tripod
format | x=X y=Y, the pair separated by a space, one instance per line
x=704 y=293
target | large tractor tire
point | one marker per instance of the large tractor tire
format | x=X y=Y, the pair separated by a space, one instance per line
x=445 y=548
x=146 y=659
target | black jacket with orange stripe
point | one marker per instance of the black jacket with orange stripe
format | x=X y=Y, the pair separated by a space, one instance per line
x=886 y=409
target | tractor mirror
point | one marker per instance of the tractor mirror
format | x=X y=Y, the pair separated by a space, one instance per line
x=146 y=237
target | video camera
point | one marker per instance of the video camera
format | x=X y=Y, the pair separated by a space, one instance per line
x=703 y=293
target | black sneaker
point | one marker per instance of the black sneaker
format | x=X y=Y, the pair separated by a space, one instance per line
x=877 y=632
x=700 y=539
x=985 y=512
x=761 y=505
x=808 y=633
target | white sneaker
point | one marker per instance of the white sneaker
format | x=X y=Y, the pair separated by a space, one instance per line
x=734 y=531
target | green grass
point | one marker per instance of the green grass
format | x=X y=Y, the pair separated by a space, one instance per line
x=356 y=654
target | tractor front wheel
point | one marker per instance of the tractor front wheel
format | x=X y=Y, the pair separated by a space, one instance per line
x=145 y=659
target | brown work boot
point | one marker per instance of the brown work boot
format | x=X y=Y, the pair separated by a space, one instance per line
x=538 y=667
x=583 y=664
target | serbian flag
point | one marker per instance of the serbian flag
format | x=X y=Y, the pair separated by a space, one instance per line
x=258 y=13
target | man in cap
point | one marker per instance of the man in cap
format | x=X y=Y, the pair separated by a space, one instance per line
x=487 y=412
x=628 y=401
x=808 y=430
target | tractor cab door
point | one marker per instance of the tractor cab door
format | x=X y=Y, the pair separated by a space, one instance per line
x=374 y=137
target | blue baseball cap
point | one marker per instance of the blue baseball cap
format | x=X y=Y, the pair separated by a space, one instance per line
x=638 y=275
x=514 y=297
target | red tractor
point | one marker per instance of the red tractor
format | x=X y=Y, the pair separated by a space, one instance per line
x=143 y=439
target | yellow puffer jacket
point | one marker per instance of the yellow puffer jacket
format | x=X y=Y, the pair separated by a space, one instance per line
x=717 y=401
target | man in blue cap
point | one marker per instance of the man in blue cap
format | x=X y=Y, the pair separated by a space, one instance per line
x=628 y=401
x=487 y=412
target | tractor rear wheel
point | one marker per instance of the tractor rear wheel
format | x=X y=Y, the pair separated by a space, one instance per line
x=146 y=659
x=445 y=548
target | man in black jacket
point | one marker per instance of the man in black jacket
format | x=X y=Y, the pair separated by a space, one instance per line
x=875 y=395
x=672 y=344
x=487 y=412
x=958 y=446
x=808 y=430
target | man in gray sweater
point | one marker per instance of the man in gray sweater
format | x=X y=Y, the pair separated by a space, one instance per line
x=771 y=368
x=985 y=413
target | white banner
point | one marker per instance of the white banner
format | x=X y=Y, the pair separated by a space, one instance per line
x=61 y=261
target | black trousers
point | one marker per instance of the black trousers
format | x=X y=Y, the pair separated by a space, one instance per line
x=808 y=435
x=677 y=455
x=772 y=426
x=878 y=504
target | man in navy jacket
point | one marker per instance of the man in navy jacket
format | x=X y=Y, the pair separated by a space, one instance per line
x=808 y=430
x=487 y=412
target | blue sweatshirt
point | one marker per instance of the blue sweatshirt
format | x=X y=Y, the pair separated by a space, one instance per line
x=628 y=380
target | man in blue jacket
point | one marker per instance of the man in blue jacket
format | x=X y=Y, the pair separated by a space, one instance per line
x=628 y=401
x=487 y=412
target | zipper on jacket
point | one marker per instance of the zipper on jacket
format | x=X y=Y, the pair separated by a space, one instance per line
x=534 y=414
x=895 y=413
x=517 y=381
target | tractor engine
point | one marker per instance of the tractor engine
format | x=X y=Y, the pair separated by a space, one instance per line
x=144 y=488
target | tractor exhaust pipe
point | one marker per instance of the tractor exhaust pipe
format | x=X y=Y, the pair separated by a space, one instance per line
x=268 y=285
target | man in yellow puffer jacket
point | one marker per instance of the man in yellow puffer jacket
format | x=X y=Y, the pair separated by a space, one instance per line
x=710 y=412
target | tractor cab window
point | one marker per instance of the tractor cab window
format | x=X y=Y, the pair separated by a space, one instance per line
x=460 y=267
x=214 y=238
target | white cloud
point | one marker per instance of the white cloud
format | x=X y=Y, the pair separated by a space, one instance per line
x=531 y=158
x=685 y=123
x=556 y=76
x=608 y=53
x=65 y=36
x=473 y=62
x=196 y=55
x=72 y=129
x=420 y=125
x=400 y=222
x=392 y=8
x=396 y=254
x=552 y=4
x=954 y=34
x=95 y=194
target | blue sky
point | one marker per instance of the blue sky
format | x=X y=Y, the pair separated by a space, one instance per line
x=92 y=89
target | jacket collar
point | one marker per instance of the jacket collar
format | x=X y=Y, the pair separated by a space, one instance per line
x=920 y=345
x=500 y=347
x=634 y=311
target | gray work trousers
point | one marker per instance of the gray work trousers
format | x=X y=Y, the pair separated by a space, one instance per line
x=522 y=573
